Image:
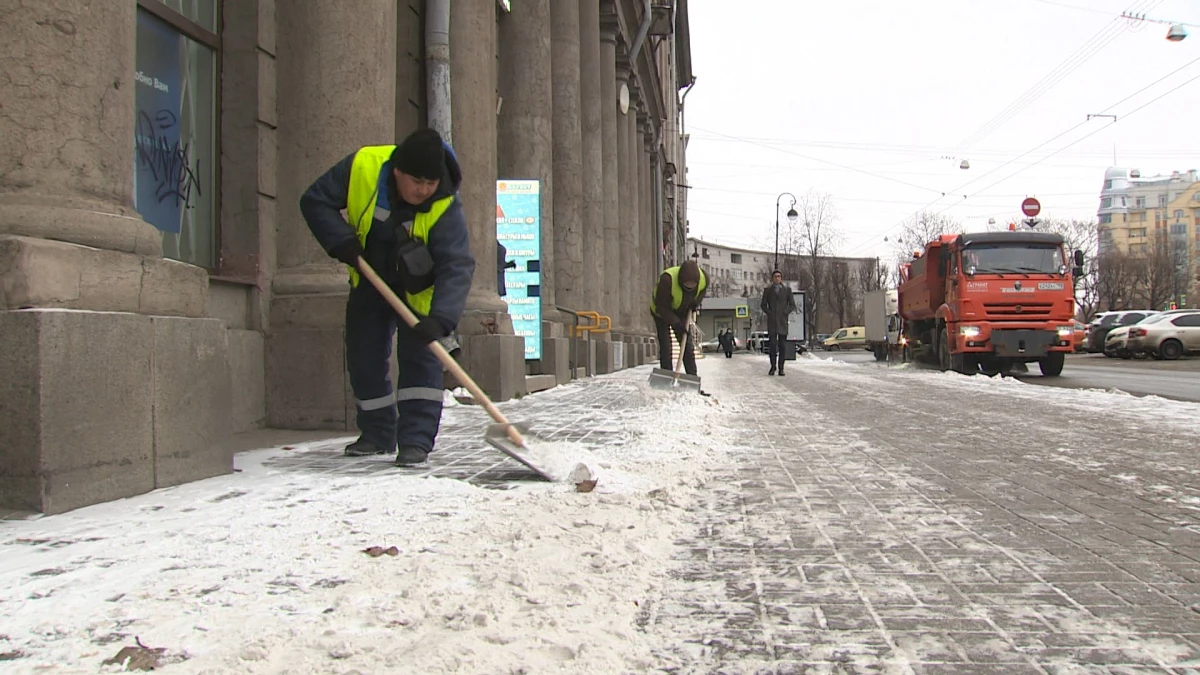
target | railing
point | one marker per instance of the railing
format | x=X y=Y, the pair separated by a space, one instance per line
x=599 y=324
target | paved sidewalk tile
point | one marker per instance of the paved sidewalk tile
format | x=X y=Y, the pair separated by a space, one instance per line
x=863 y=532
x=588 y=414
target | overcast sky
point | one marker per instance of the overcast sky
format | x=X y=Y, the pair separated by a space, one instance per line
x=872 y=102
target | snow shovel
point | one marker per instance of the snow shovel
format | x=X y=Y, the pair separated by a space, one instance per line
x=505 y=436
x=665 y=379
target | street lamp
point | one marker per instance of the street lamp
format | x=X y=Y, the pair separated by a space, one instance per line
x=791 y=216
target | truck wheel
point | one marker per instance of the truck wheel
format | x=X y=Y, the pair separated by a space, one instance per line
x=1170 y=350
x=1052 y=364
x=881 y=352
x=943 y=350
x=965 y=364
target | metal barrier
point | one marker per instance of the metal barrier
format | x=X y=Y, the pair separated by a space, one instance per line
x=599 y=324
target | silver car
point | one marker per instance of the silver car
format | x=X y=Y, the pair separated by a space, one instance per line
x=1168 y=336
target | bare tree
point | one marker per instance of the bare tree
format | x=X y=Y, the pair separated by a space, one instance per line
x=815 y=236
x=1164 y=274
x=1080 y=235
x=872 y=275
x=1117 y=275
x=839 y=294
x=921 y=229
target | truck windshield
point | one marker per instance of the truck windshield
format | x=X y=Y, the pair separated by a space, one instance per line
x=1012 y=259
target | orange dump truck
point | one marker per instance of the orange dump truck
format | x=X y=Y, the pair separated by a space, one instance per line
x=983 y=302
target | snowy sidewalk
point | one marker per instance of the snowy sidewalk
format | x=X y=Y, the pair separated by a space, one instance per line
x=264 y=571
x=842 y=519
x=897 y=520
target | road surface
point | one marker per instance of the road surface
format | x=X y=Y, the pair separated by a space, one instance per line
x=1177 y=380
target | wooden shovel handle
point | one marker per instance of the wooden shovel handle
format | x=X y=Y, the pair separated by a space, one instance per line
x=439 y=351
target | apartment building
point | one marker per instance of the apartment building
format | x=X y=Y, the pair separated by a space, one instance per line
x=1141 y=215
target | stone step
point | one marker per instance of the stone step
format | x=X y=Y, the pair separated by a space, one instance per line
x=535 y=383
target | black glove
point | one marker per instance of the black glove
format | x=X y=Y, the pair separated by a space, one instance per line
x=429 y=330
x=348 y=252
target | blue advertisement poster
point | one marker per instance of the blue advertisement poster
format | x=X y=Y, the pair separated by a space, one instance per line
x=519 y=229
x=161 y=162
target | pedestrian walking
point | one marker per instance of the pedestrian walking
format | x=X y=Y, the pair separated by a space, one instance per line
x=679 y=291
x=777 y=304
x=727 y=342
x=406 y=221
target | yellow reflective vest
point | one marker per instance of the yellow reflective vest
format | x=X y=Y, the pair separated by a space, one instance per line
x=676 y=289
x=367 y=177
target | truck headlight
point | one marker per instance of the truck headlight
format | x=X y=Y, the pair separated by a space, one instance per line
x=969 y=331
x=1066 y=331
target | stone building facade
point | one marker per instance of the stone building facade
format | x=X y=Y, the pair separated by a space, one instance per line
x=159 y=290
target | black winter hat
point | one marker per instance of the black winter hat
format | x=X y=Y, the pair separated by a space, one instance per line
x=689 y=273
x=421 y=155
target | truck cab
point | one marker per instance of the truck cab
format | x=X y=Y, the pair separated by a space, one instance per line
x=986 y=301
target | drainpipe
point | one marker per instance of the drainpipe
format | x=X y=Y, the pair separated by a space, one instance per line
x=682 y=175
x=641 y=35
x=437 y=67
x=658 y=200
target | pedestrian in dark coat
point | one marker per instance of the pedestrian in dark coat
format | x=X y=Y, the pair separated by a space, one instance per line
x=777 y=303
x=726 y=339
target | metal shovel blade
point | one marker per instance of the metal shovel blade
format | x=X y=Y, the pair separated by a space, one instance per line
x=497 y=436
x=661 y=378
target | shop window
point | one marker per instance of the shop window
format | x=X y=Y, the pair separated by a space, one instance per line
x=175 y=128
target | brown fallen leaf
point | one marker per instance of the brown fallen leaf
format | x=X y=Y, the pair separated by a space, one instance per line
x=585 y=486
x=376 y=551
x=140 y=657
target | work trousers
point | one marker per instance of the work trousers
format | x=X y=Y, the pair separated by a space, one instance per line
x=775 y=349
x=410 y=413
x=665 y=349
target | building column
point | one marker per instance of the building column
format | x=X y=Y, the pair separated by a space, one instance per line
x=612 y=185
x=525 y=145
x=492 y=354
x=524 y=128
x=591 y=121
x=567 y=142
x=318 y=48
x=134 y=393
x=645 y=232
x=631 y=286
x=626 y=203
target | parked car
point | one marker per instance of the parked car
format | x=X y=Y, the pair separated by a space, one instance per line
x=1116 y=343
x=1168 y=335
x=818 y=341
x=1106 y=321
x=1080 y=335
x=852 y=337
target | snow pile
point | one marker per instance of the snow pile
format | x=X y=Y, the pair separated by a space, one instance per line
x=286 y=571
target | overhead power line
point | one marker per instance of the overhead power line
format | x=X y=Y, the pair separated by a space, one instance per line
x=959 y=189
x=1086 y=136
x=1083 y=54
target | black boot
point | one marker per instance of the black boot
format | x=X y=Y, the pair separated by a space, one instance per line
x=772 y=371
x=411 y=456
x=364 y=448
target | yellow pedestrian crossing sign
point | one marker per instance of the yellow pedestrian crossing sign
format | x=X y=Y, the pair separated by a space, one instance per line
x=742 y=311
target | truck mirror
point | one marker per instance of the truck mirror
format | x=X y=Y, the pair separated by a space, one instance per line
x=1078 y=258
x=1077 y=271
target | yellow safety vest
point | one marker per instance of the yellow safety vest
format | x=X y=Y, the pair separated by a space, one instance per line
x=676 y=289
x=367 y=177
